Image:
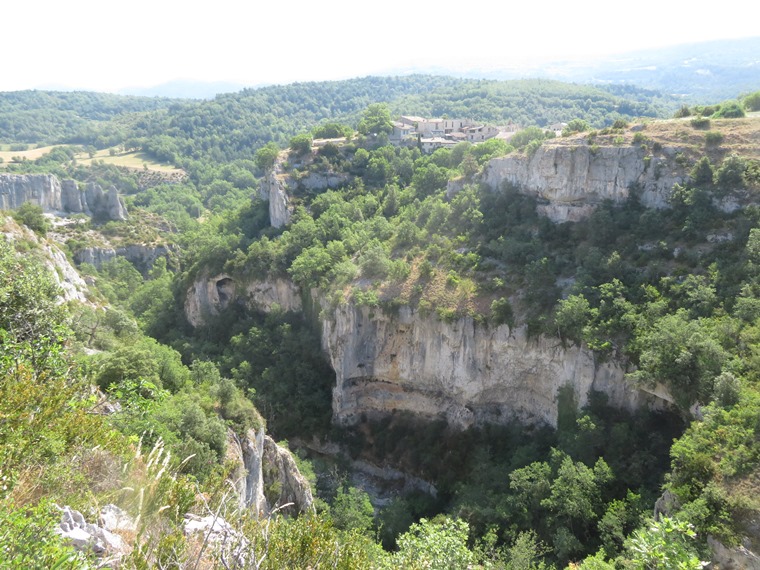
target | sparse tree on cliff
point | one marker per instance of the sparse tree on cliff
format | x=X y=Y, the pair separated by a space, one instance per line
x=266 y=156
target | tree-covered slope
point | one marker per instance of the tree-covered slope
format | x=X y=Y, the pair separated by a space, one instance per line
x=234 y=125
x=50 y=117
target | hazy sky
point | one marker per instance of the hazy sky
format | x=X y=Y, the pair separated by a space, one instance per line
x=107 y=46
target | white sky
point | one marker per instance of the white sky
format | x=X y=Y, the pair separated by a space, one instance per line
x=106 y=45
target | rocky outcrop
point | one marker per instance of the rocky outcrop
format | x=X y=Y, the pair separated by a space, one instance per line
x=100 y=538
x=465 y=372
x=43 y=190
x=274 y=188
x=209 y=295
x=285 y=487
x=266 y=477
x=105 y=205
x=217 y=540
x=323 y=180
x=141 y=256
x=247 y=478
x=735 y=558
x=570 y=179
x=277 y=181
x=72 y=198
x=52 y=195
x=73 y=287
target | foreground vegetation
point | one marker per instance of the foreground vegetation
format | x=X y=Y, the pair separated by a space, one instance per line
x=646 y=287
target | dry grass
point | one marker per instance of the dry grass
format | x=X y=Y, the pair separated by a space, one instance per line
x=740 y=136
x=33 y=154
x=136 y=159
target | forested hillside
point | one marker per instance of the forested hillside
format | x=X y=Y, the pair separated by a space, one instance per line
x=232 y=125
x=140 y=390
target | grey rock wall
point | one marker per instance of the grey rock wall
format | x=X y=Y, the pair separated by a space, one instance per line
x=570 y=180
x=54 y=196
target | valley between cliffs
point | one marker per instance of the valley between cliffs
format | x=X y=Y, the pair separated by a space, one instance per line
x=462 y=371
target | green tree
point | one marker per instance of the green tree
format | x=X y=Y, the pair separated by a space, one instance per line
x=731 y=174
x=440 y=544
x=376 y=120
x=572 y=315
x=576 y=126
x=33 y=326
x=702 y=173
x=664 y=544
x=683 y=354
x=752 y=101
x=32 y=217
x=266 y=156
x=729 y=110
x=301 y=144
x=331 y=131
x=352 y=510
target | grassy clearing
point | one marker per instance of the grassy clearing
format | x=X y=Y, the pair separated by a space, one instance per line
x=135 y=159
x=127 y=159
x=8 y=155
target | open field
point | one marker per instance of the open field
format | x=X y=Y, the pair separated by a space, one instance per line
x=8 y=155
x=128 y=159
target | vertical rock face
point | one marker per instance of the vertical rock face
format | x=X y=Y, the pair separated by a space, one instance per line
x=275 y=184
x=572 y=179
x=73 y=287
x=462 y=371
x=43 y=190
x=72 y=199
x=284 y=481
x=209 y=295
x=141 y=256
x=274 y=189
x=52 y=195
x=105 y=205
x=467 y=373
x=247 y=478
x=266 y=476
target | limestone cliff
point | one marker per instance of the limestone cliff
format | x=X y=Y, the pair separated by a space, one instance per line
x=43 y=190
x=266 y=476
x=52 y=195
x=141 y=256
x=570 y=178
x=73 y=287
x=278 y=184
x=463 y=371
x=274 y=188
x=208 y=296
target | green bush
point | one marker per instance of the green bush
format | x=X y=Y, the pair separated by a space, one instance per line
x=713 y=138
x=32 y=217
x=576 y=126
x=27 y=539
x=729 y=110
x=502 y=312
x=702 y=123
x=684 y=111
x=301 y=144
x=752 y=101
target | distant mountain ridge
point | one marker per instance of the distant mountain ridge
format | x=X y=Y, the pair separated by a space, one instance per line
x=702 y=72
x=187 y=89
